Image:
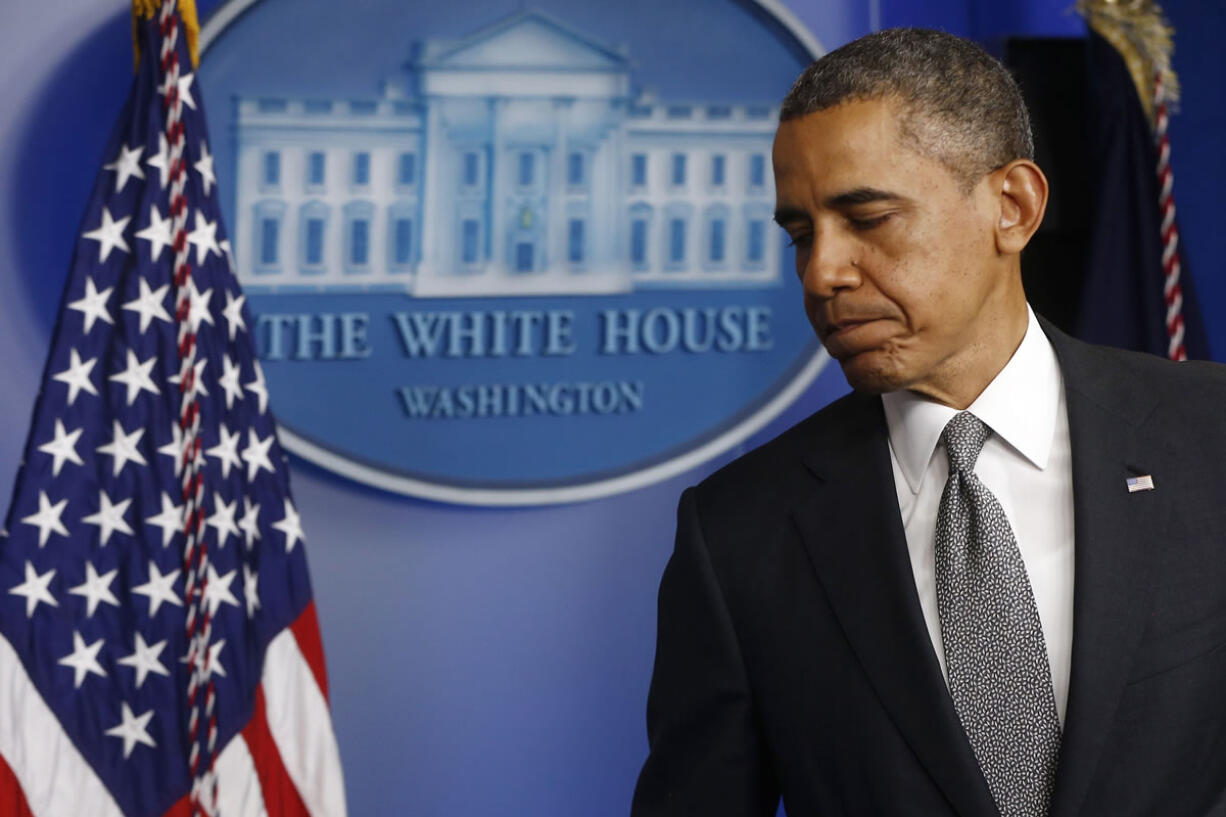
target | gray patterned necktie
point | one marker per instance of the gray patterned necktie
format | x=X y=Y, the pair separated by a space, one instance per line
x=994 y=649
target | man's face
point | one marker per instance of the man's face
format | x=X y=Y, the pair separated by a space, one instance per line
x=899 y=263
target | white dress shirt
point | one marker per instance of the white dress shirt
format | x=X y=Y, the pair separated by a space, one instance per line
x=1026 y=463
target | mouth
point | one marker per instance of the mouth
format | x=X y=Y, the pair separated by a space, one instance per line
x=836 y=328
x=851 y=336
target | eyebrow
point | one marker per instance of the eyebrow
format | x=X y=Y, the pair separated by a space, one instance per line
x=789 y=215
x=849 y=198
x=862 y=195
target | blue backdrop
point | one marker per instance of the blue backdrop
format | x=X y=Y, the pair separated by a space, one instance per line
x=483 y=662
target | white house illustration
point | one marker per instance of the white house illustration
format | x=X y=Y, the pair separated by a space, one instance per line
x=515 y=161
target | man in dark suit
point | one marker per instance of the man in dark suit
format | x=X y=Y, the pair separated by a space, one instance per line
x=992 y=579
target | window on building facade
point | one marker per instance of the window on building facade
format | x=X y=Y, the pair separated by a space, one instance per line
x=527 y=169
x=402 y=242
x=470 y=232
x=471 y=165
x=361 y=168
x=678 y=169
x=756 y=247
x=270 y=229
x=524 y=256
x=359 y=242
x=638 y=242
x=718 y=163
x=575 y=171
x=406 y=174
x=272 y=168
x=638 y=170
x=757 y=170
x=574 y=241
x=716 y=254
x=315 y=168
x=676 y=240
x=313 y=249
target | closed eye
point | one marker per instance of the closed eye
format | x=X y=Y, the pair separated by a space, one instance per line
x=869 y=223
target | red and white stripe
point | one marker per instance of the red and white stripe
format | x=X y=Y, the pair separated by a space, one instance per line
x=284 y=761
x=195 y=555
x=1171 y=266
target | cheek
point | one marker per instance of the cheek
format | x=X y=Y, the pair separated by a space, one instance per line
x=931 y=275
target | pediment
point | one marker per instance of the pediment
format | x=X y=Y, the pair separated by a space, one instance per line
x=527 y=40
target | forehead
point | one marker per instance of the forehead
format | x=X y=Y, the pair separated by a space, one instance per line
x=855 y=144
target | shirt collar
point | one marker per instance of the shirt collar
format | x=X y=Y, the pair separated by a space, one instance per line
x=1019 y=405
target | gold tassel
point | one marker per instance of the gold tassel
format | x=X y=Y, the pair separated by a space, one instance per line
x=146 y=9
x=1139 y=31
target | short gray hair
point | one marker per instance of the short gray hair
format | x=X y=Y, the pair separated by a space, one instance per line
x=961 y=106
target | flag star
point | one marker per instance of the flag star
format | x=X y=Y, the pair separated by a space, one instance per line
x=95 y=589
x=93 y=305
x=225 y=247
x=251 y=582
x=291 y=526
x=223 y=519
x=204 y=238
x=62 y=448
x=157 y=233
x=226 y=450
x=204 y=166
x=109 y=517
x=123 y=447
x=184 y=86
x=132 y=729
x=174 y=449
x=197 y=380
x=109 y=235
x=249 y=524
x=229 y=380
x=48 y=518
x=160 y=588
x=77 y=376
x=198 y=306
x=83 y=659
x=35 y=589
x=256 y=454
x=170 y=520
x=161 y=160
x=185 y=90
x=144 y=659
x=233 y=313
x=258 y=386
x=211 y=665
x=217 y=590
x=149 y=304
x=126 y=166
x=136 y=376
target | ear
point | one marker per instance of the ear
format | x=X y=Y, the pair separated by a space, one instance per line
x=1023 y=200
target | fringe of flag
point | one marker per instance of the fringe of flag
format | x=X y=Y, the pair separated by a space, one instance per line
x=1139 y=31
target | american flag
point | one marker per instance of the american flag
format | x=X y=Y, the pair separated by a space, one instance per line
x=159 y=650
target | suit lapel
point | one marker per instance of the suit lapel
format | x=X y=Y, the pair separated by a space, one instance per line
x=1115 y=536
x=854 y=536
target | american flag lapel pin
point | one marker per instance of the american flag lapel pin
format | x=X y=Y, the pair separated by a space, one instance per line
x=1142 y=483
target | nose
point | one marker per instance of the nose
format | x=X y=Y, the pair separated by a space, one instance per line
x=828 y=265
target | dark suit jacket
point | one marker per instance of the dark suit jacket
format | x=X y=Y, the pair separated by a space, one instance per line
x=792 y=656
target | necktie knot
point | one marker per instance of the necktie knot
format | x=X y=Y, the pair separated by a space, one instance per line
x=964 y=437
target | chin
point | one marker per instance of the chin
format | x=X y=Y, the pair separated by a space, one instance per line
x=870 y=377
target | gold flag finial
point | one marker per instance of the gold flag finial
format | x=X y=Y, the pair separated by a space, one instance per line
x=146 y=9
x=1139 y=31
